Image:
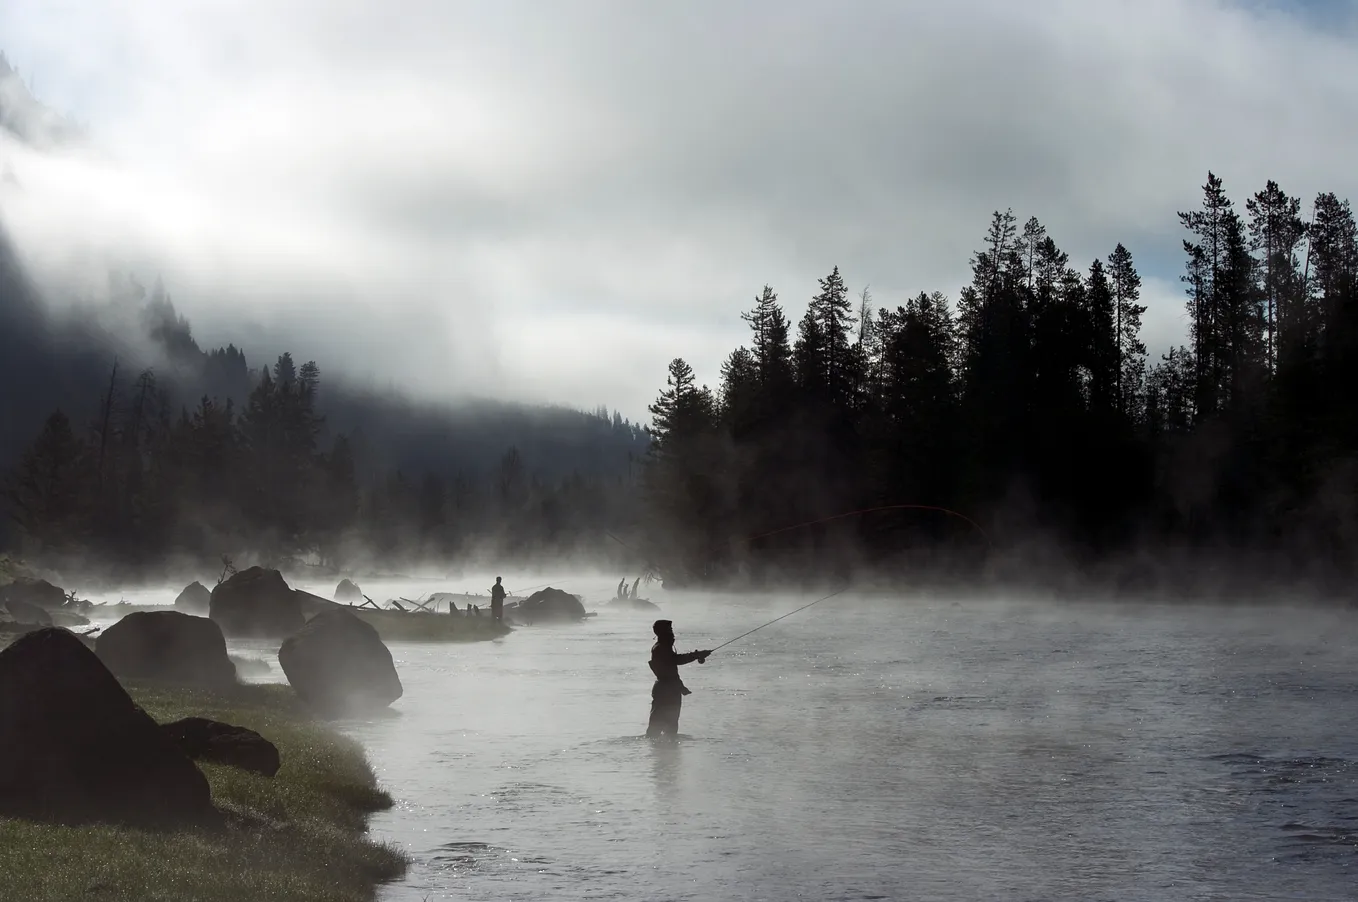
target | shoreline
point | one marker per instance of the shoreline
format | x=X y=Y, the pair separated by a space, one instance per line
x=302 y=834
x=391 y=626
x=1168 y=579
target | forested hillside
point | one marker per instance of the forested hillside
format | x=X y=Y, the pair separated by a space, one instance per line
x=131 y=461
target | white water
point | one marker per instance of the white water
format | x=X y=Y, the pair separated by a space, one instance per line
x=905 y=750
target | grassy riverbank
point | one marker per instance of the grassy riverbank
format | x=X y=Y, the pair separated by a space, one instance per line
x=298 y=836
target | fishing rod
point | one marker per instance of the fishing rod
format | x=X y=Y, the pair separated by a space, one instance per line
x=529 y=588
x=788 y=614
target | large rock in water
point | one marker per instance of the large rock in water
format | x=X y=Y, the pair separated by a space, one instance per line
x=37 y=592
x=348 y=592
x=23 y=612
x=195 y=599
x=222 y=743
x=338 y=665
x=168 y=647
x=256 y=603
x=548 y=605
x=75 y=749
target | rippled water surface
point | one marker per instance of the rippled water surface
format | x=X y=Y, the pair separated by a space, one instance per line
x=912 y=749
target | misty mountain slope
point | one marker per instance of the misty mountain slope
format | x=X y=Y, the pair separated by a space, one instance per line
x=44 y=363
x=25 y=117
x=65 y=362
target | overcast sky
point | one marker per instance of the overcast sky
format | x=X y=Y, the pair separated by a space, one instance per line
x=549 y=200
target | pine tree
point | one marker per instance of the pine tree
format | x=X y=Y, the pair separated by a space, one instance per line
x=1170 y=392
x=809 y=356
x=682 y=466
x=1223 y=304
x=772 y=355
x=1276 y=232
x=1206 y=259
x=831 y=312
x=1104 y=355
x=285 y=371
x=740 y=391
x=48 y=490
x=1034 y=236
x=1125 y=283
x=1333 y=259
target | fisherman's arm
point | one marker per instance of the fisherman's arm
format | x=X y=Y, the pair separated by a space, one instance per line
x=699 y=656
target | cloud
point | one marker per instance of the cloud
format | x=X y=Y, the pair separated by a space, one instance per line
x=549 y=200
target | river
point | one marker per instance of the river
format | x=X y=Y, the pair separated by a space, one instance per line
x=885 y=749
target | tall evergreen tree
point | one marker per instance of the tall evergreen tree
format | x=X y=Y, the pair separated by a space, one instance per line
x=1207 y=262
x=1125 y=283
x=1276 y=232
x=47 y=490
x=1104 y=357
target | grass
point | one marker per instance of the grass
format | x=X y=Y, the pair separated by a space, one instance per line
x=298 y=836
x=420 y=626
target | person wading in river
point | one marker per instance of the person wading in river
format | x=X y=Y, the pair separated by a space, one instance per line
x=667 y=695
x=497 y=601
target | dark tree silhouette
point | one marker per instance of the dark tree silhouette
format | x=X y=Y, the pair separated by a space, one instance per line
x=1034 y=409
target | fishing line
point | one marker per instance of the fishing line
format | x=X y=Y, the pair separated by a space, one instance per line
x=788 y=614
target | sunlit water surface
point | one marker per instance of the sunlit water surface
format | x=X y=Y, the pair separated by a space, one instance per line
x=913 y=749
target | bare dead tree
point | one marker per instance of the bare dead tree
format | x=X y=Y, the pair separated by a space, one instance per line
x=228 y=569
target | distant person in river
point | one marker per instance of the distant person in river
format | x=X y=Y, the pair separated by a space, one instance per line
x=497 y=601
x=667 y=695
x=622 y=587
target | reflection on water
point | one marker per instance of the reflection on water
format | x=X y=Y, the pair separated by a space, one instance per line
x=665 y=757
x=882 y=751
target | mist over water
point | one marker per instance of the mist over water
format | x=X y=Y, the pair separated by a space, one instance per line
x=877 y=748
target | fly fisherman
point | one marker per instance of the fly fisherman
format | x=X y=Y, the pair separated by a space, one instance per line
x=667 y=695
x=497 y=600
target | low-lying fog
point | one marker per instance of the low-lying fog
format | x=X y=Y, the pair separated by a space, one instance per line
x=887 y=748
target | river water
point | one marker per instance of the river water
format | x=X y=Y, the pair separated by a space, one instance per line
x=884 y=749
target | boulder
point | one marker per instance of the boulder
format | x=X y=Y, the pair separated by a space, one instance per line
x=23 y=612
x=338 y=665
x=168 y=647
x=548 y=605
x=195 y=599
x=37 y=592
x=348 y=592
x=256 y=603
x=222 y=743
x=75 y=749
x=314 y=604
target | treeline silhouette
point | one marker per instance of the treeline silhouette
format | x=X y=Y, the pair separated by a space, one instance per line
x=1029 y=405
x=130 y=466
x=142 y=483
